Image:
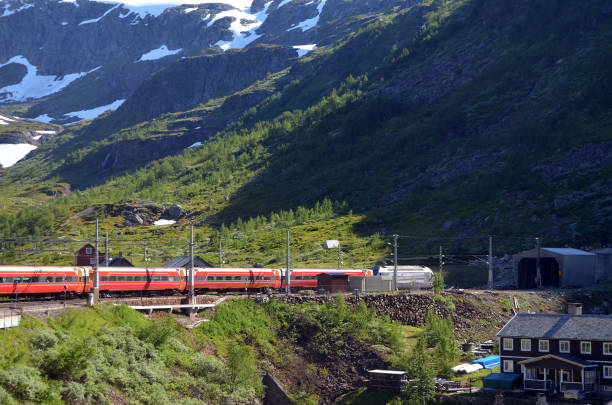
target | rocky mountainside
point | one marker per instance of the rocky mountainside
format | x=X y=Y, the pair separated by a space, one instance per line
x=457 y=119
x=85 y=57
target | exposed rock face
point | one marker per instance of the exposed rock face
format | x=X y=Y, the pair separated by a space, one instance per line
x=109 y=41
x=174 y=212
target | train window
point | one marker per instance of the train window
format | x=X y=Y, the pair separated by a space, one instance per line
x=59 y=279
x=237 y=278
x=228 y=277
x=200 y=278
x=218 y=277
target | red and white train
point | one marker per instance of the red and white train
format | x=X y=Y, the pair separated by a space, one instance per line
x=41 y=281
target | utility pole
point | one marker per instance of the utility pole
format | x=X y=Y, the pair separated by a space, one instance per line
x=538 y=272
x=106 y=250
x=288 y=272
x=96 y=276
x=191 y=297
x=144 y=252
x=220 y=253
x=440 y=260
x=395 y=262
x=490 y=284
x=339 y=257
x=132 y=255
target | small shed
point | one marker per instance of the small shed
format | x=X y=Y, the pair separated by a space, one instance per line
x=185 y=262
x=501 y=381
x=331 y=244
x=370 y=283
x=387 y=378
x=603 y=264
x=559 y=267
x=333 y=282
x=86 y=256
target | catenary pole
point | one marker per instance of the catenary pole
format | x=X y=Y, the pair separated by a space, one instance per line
x=339 y=257
x=220 y=252
x=96 y=277
x=191 y=269
x=538 y=271
x=288 y=272
x=395 y=262
x=490 y=284
x=106 y=250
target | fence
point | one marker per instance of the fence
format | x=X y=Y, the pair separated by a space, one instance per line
x=10 y=317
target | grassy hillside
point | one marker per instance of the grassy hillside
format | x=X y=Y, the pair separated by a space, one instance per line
x=450 y=119
x=115 y=355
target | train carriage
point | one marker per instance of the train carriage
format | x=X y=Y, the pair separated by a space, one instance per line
x=140 y=279
x=15 y=280
x=236 y=279
x=307 y=278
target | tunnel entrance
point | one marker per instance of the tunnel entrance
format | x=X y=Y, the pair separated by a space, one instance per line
x=527 y=272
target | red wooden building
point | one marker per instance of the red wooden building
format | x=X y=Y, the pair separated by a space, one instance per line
x=86 y=256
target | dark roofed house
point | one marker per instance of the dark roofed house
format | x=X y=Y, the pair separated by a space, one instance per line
x=119 y=261
x=562 y=353
x=185 y=262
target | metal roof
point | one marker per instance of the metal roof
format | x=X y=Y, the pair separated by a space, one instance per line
x=568 y=251
x=559 y=326
x=185 y=261
x=390 y=372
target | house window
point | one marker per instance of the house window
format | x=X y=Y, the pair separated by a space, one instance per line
x=92 y=260
x=526 y=345
x=508 y=344
x=607 y=371
x=564 y=346
x=585 y=347
x=87 y=251
x=544 y=345
x=508 y=366
x=607 y=348
x=607 y=388
x=589 y=377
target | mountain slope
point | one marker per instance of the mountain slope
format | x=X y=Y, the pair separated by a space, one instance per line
x=464 y=118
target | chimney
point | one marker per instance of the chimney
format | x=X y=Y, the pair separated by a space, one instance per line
x=574 y=308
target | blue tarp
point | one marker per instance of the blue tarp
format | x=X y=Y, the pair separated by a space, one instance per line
x=488 y=362
x=500 y=381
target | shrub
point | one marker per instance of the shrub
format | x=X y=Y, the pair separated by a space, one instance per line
x=73 y=393
x=44 y=339
x=438 y=283
x=5 y=397
x=23 y=382
x=203 y=365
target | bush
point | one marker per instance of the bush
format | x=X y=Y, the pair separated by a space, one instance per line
x=23 y=382
x=44 y=339
x=73 y=393
x=438 y=283
x=5 y=397
x=203 y=365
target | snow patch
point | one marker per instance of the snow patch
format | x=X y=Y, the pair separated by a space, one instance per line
x=304 y=49
x=8 y=12
x=3 y=122
x=158 y=53
x=64 y=23
x=37 y=137
x=243 y=34
x=190 y=10
x=95 y=112
x=46 y=132
x=34 y=86
x=45 y=119
x=195 y=145
x=13 y=153
x=282 y=3
x=73 y=2
x=2 y=117
x=94 y=20
x=197 y=127
x=161 y=222
x=311 y=22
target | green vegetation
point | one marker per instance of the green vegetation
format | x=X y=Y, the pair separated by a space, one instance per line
x=498 y=110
